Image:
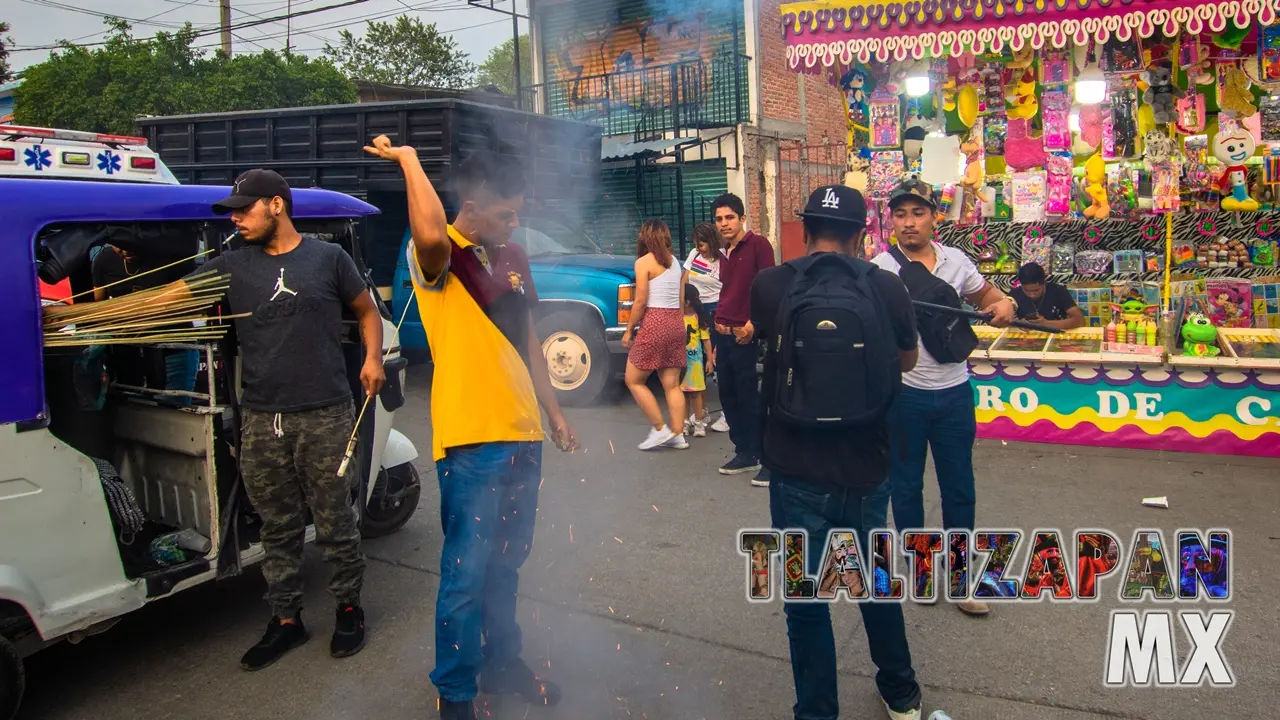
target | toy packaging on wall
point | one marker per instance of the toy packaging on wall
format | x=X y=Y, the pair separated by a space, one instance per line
x=1154 y=261
x=1266 y=302
x=1056 y=67
x=1127 y=262
x=1063 y=258
x=1165 y=193
x=1269 y=107
x=1038 y=248
x=1059 y=184
x=994 y=131
x=1030 y=192
x=1191 y=112
x=1122 y=56
x=1093 y=262
x=1195 y=169
x=1223 y=253
x=1094 y=300
x=886 y=121
x=1123 y=103
x=1269 y=54
x=885 y=173
x=1055 y=112
x=1230 y=302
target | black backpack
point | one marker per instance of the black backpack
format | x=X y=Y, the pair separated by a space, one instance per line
x=948 y=338
x=837 y=357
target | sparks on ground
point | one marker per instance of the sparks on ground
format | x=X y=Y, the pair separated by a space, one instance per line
x=611 y=448
x=615 y=537
x=571 y=533
x=611 y=610
x=655 y=508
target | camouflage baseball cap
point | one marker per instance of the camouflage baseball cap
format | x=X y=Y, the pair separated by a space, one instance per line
x=916 y=189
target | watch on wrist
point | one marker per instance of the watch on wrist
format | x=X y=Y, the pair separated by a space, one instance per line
x=1012 y=302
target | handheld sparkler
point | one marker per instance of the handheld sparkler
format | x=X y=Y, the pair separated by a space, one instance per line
x=355 y=431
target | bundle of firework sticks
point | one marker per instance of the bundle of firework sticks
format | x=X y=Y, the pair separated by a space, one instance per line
x=175 y=313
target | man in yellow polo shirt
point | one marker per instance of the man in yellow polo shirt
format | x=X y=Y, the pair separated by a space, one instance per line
x=475 y=294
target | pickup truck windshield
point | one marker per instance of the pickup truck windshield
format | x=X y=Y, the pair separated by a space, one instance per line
x=543 y=237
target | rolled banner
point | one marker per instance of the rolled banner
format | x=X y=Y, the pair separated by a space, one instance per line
x=1156 y=502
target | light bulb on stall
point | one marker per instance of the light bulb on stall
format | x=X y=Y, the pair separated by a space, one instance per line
x=918 y=85
x=1073 y=120
x=1091 y=86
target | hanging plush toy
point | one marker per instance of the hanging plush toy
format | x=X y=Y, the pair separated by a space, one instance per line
x=1162 y=95
x=1096 y=188
x=1024 y=102
x=1232 y=149
x=972 y=184
x=1237 y=98
x=1021 y=150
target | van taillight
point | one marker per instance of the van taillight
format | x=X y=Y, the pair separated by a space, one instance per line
x=142 y=163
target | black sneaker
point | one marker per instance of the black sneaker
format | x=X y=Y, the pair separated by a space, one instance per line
x=740 y=464
x=517 y=679
x=348 y=632
x=279 y=639
x=450 y=710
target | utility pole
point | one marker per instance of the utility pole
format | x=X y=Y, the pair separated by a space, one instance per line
x=515 y=36
x=224 y=10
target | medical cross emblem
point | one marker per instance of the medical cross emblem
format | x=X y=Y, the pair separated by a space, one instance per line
x=830 y=200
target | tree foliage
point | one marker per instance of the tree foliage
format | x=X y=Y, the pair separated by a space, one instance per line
x=407 y=52
x=499 y=69
x=105 y=89
x=5 y=72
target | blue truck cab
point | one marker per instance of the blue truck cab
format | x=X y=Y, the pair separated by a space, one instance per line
x=585 y=298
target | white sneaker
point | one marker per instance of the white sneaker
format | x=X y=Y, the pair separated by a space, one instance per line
x=678 y=442
x=721 y=425
x=657 y=438
x=688 y=424
x=700 y=429
x=895 y=715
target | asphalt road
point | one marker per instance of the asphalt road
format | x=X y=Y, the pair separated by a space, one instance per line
x=633 y=600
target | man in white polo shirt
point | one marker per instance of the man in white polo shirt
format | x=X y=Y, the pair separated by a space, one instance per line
x=935 y=409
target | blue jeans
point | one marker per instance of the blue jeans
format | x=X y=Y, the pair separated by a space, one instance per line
x=488 y=506
x=920 y=420
x=797 y=505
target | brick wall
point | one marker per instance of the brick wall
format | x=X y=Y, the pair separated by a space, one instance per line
x=816 y=107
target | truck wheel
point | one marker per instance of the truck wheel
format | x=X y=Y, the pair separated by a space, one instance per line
x=393 y=501
x=12 y=680
x=577 y=357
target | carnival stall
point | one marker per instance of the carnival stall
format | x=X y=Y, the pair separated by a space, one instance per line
x=1131 y=148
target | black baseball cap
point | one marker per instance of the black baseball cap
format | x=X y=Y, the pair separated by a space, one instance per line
x=252 y=186
x=836 y=202
x=915 y=189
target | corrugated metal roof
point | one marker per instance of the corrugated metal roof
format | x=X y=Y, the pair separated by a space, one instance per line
x=619 y=148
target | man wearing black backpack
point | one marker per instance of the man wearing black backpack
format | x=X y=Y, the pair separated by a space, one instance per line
x=839 y=333
x=936 y=407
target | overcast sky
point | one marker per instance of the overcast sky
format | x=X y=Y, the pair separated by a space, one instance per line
x=44 y=22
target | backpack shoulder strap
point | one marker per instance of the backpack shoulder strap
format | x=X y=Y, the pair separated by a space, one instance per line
x=903 y=261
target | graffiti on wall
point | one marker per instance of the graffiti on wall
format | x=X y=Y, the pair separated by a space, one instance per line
x=623 y=59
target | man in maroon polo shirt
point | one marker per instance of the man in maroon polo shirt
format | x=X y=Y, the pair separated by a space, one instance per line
x=734 y=341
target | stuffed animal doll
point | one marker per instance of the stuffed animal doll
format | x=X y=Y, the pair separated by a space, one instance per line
x=1096 y=188
x=1022 y=152
x=1232 y=149
x=1024 y=102
x=1237 y=98
x=1162 y=95
x=1159 y=148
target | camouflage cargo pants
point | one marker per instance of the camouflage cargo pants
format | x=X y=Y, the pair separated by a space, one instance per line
x=290 y=462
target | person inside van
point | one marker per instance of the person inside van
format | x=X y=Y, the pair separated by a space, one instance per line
x=861 y=336
x=116 y=273
x=476 y=296
x=298 y=412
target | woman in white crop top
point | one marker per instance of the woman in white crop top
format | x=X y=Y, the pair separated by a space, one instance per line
x=660 y=343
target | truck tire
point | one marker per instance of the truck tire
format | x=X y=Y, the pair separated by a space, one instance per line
x=12 y=680
x=577 y=357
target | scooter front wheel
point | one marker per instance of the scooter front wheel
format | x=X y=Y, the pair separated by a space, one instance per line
x=393 y=501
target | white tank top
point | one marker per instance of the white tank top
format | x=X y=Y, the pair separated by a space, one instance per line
x=664 y=290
